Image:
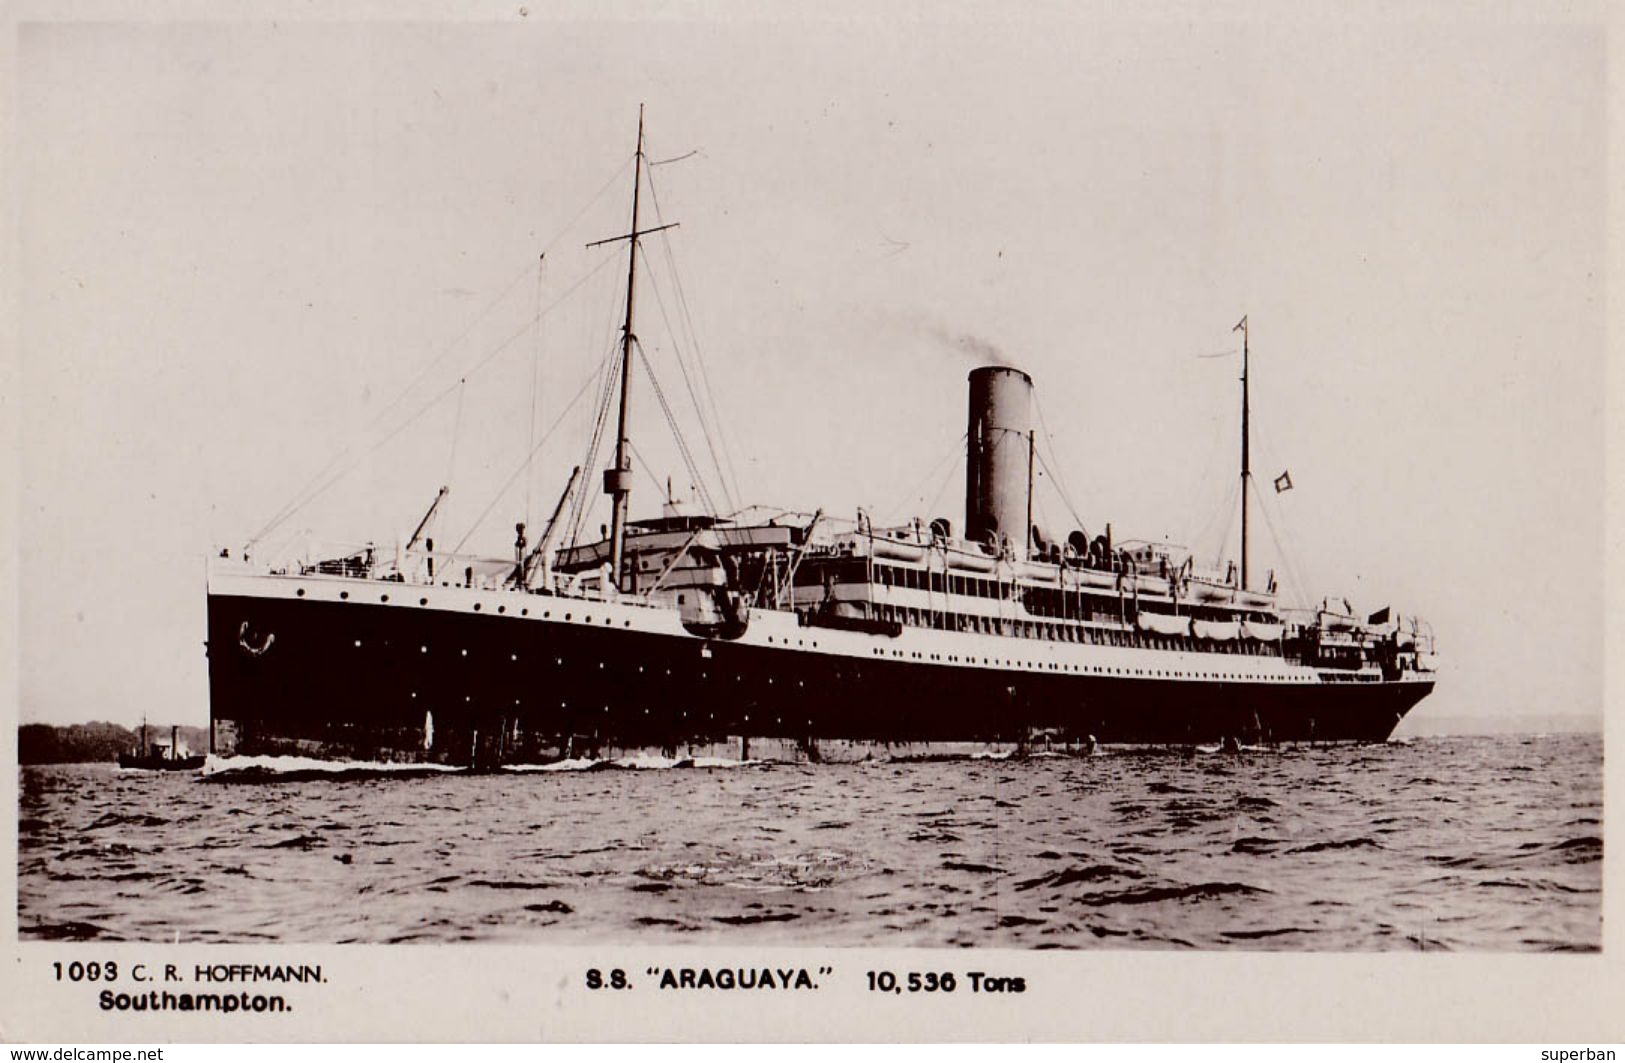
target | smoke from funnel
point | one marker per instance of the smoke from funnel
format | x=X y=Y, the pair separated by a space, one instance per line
x=977 y=349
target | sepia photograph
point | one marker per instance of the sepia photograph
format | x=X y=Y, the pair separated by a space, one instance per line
x=979 y=479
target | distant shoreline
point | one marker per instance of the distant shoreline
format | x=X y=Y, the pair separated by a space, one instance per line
x=1420 y=725
x=96 y=742
x=99 y=742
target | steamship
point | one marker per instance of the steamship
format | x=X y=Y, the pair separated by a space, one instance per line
x=802 y=637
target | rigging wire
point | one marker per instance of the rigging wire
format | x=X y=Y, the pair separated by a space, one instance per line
x=648 y=470
x=407 y=390
x=694 y=343
x=1056 y=480
x=456 y=429
x=359 y=459
x=1282 y=537
x=535 y=388
x=676 y=430
x=610 y=338
x=942 y=486
x=303 y=497
x=503 y=490
x=956 y=451
x=688 y=383
x=1229 y=509
x=1223 y=510
x=1060 y=487
x=580 y=505
x=310 y=495
x=1300 y=588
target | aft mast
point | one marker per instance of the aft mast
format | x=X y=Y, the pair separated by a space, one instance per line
x=1246 y=467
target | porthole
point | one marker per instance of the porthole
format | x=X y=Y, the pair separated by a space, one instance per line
x=423 y=601
x=423 y=649
x=345 y=595
x=476 y=607
x=465 y=653
x=502 y=609
x=358 y=643
x=383 y=597
x=300 y=592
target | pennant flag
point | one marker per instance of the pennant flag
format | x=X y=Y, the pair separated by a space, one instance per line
x=1240 y=324
x=1283 y=482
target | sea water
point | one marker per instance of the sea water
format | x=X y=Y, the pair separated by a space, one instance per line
x=1468 y=843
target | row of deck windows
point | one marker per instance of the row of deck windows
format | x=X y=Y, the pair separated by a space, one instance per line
x=1062 y=632
x=1068 y=604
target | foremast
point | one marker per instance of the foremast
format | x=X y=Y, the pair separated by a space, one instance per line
x=618 y=478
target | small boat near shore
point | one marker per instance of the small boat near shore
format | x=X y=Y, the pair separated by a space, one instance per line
x=161 y=756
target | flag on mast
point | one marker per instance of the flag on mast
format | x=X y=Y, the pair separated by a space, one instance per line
x=1240 y=324
x=1283 y=482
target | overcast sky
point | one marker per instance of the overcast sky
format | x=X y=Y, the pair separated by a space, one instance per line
x=240 y=242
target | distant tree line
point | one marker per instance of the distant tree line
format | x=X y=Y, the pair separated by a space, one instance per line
x=84 y=743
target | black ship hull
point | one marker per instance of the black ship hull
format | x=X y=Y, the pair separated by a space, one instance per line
x=369 y=681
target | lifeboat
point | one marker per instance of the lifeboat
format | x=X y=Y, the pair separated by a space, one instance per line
x=1216 y=630
x=964 y=562
x=1254 y=599
x=896 y=549
x=1163 y=624
x=1263 y=632
x=1210 y=592
x=1035 y=570
x=1094 y=577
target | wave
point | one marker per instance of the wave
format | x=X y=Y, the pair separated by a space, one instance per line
x=633 y=763
x=113 y=819
x=1348 y=843
x=1067 y=876
x=752 y=920
x=1581 y=850
x=296 y=768
x=1254 y=846
x=1156 y=894
x=66 y=931
x=303 y=841
x=1255 y=935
